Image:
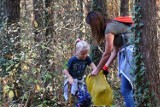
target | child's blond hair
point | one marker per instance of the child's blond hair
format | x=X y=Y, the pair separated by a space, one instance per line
x=81 y=45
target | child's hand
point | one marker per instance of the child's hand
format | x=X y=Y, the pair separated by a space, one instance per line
x=70 y=80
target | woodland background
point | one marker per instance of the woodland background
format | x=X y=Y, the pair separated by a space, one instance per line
x=37 y=38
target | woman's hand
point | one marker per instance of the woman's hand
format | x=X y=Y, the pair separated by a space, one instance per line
x=70 y=79
x=94 y=72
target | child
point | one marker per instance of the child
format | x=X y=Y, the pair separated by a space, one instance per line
x=76 y=67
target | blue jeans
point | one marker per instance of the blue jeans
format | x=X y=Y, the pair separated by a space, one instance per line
x=127 y=92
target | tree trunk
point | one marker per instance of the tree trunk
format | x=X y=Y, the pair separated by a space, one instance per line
x=39 y=38
x=49 y=18
x=86 y=8
x=13 y=10
x=38 y=20
x=150 y=46
x=99 y=5
x=124 y=7
x=79 y=18
x=50 y=33
x=11 y=35
x=2 y=12
x=13 y=17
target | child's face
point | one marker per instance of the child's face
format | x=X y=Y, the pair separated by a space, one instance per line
x=83 y=54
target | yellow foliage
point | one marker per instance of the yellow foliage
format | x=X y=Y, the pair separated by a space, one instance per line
x=37 y=88
x=24 y=67
x=35 y=24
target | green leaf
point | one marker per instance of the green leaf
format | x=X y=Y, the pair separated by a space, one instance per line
x=6 y=88
x=48 y=75
x=11 y=94
x=36 y=81
x=8 y=68
x=135 y=25
x=141 y=25
x=65 y=65
x=143 y=68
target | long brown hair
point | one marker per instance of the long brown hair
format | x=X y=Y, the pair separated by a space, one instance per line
x=97 y=23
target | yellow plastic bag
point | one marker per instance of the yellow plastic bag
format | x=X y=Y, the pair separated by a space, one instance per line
x=100 y=90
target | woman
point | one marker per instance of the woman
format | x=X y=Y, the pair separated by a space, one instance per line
x=110 y=33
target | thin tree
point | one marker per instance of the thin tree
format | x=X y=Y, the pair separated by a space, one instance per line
x=49 y=37
x=124 y=7
x=39 y=38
